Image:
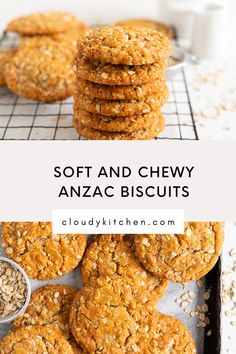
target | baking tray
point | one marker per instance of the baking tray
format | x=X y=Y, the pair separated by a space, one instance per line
x=168 y=305
x=22 y=119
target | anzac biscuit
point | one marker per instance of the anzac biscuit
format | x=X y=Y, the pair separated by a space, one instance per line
x=50 y=305
x=108 y=74
x=35 y=340
x=121 y=92
x=45 y=23
x=70 y=37
x=40 y=253
x=185 y=257
x=167 y=335
x=43 y=72
x=116 y=124
x=106 y=318
x=158 y=26
x=5 y=57
x=142 y=134
x=124 y=45
x=121 y=107
x=110 y=255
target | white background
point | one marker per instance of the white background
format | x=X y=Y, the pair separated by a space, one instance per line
x=93 y=11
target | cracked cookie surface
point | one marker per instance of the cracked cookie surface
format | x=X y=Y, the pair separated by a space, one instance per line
x=5 y=57
x=119 y=92
x=42 y=71
x=50 y=305
x=108 y=74
x=158 y=26
x=35 y=340
x=121 y=107
x=40 y=253
x=185 y=257
x=112 y=255
x=106 y=318
x=115 y=123
x=168 y=335
x=142 y=134
x=43 y=23
x=124 y=45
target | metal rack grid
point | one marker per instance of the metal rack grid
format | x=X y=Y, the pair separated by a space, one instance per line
x=22 y=119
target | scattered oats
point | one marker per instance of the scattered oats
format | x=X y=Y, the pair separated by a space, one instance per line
x=184 y=304
x=204 y=308
x=187 y=310
x=200 y=283
x=209 y=333
x=232 y=253
x=192 y=294
x=207 y=295
x=201 y=324
x=233 y=323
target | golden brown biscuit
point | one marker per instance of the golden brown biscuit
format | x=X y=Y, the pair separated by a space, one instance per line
x=108 y=74
x=142 y=134
x=121 y=107
x=5 y=57
x=119 y=92
x=35 y=340
x=185 y=257
x=43 y=72
x=40 y=253
x=115 y=123
x=158 y=26
x=124 y=45
x=50 y=305
x=44 y=23
x=167 y=335
x=110 y=255
x=71 y=37
x=106 y=318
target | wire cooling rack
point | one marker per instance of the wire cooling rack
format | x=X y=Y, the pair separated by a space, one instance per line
x=21 y=119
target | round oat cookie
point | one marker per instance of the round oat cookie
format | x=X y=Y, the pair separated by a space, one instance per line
x=71 y=37
x=110 y=255
x=115 y=123
x=35 y=340
x=108 y=74
x=121 y=107
x=121 y=92
x=5 y=57
x=139 y=23
x=40 y=253
x=107 y=317
x=43 y=72
x=50 y=305
x=185 y=257
x=168 y=335
x=43 y=23
x=142 y=134
x=124 y=45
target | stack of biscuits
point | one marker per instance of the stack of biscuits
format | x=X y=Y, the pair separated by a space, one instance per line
x=120 y=83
